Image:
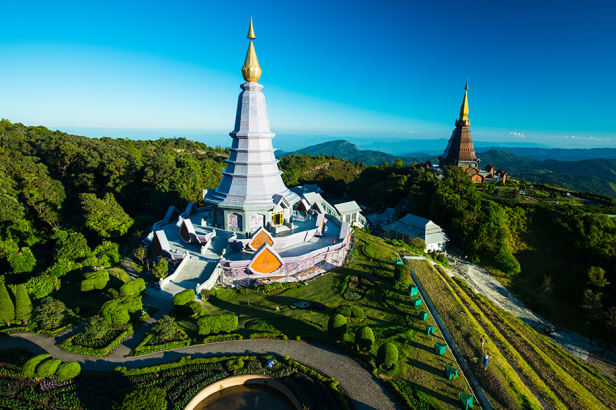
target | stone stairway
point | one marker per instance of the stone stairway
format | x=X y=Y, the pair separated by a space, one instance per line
x=200 y=266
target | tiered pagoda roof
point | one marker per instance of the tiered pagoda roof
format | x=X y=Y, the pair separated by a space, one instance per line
x=460 y=148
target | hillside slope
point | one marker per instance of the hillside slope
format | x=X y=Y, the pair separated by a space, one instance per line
x=345 y=150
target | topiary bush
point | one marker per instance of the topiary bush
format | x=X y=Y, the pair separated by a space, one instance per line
x=29 y=369
x=387 y=355
x=132 y=288
x=147 y=398
x=182 y=298
x=235 y=364
x=193 y=308
x=95 y=280
x=47 y=368
x=337 y=325
x=68 y=370
x=400 y=273
x=365 y=338
x=215 y=324
x=115 y=313
x=344 y=310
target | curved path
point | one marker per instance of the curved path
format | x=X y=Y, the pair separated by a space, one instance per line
x=363 y=387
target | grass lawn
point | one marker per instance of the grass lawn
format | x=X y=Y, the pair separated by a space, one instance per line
x=418 y=364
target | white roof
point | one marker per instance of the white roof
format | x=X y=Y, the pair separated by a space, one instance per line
x=347 y=208
x=419 y=227
x=312 y=197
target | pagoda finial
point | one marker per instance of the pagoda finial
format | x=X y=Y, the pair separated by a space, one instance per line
x=251 y=31
x=464 y=107
x=251 y=70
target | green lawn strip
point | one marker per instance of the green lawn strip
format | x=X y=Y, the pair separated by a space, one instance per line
x=500 y=382
x=91 y=351
x=583 y=384
x=514 y=355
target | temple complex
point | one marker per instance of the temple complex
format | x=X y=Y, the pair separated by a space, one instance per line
x=252 y=229
x=461 y=153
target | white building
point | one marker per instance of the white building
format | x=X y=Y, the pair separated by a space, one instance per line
x=417 y=227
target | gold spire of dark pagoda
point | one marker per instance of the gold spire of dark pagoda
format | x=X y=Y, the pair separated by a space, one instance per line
x=464 y=107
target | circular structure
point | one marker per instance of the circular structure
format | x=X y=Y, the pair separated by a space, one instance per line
x=244 y=391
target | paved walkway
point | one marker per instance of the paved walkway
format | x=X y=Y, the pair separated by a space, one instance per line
x=363 y=388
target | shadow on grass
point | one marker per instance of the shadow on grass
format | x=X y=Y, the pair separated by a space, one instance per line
x=439 y=396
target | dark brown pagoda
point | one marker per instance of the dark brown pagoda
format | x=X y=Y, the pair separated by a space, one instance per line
x=460 y=151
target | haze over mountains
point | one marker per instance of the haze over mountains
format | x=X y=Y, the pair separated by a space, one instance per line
x=585 y=170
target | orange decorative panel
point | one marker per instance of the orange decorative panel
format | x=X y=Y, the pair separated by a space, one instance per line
x=266 y=262
x=259 y=239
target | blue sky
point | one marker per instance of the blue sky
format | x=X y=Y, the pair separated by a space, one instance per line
x=538 y=71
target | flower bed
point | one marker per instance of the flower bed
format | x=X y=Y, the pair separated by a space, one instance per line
x=180 y=380
x=308 y=305
x=70 y=346
x=269 y=289
x=82 y=339
x=355 y=287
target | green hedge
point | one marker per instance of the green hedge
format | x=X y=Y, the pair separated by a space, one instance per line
x=68 y=370
x=269 y=336
x=95 y=280
x=387 y=354
x=182 y=298
x=29 y=369
x=143 y=347
x=216 y=324
x=91 y=351
x=193 y=308
x=337 y=325
x=132 y=288
x=47 y=368
x=222 y=338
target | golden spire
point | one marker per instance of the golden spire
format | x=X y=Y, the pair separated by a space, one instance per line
x=251 y=31
x=464 y=107
x=251 y=70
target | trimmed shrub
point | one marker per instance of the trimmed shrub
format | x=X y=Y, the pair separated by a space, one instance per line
x=215 y=324
x=132 y=288
x=357 y=312
x=7 y=309
x=147 y=398
x=193 y=308
x=131 y=303
x=182 y=298
x=365 y=337
x=68 y=370
x=235 y=364
x=344 y=310
x=388 y=354
x=23 y=305
x=115 y=313
x=337 y=325
x=29 y=369
x=400 y=273
x=50 y=314
x=41 y=286
x=47 y=368
x=95 y=280
x=165 y=329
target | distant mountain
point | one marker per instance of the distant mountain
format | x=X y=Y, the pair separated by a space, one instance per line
x=593 y=175
x=560 y=154
x=346 y=150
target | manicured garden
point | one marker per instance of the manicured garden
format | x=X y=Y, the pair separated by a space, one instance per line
x=41 y=382
x=383 y=319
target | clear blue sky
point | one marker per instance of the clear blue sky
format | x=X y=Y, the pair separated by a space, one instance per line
x=542 y=69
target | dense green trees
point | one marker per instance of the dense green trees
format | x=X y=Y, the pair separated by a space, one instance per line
x=50 y=314
x=105 y=216
x=164 y=329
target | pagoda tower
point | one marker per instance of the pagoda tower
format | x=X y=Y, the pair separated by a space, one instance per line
x=460 y=151
x=251 y=193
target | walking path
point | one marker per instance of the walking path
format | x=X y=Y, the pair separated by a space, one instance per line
x=363 y=388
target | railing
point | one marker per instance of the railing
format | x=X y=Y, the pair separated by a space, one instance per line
x=165 y=281
x=208 y=284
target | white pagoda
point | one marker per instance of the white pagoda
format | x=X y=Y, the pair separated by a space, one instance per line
x=251 y=194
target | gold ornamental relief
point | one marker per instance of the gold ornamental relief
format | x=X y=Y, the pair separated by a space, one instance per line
x=260 y=239
x=266 y=262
